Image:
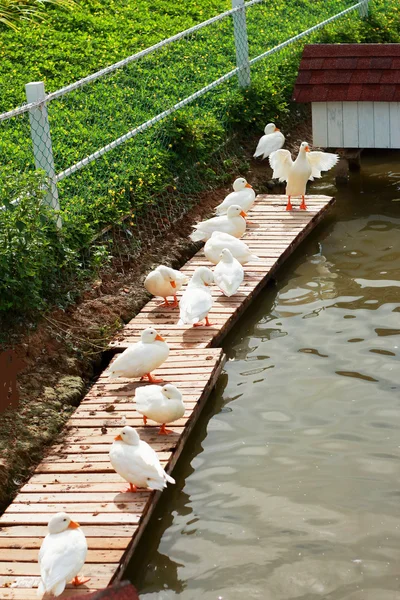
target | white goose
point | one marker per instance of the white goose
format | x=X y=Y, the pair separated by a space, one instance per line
x=160 y=404
x=197 y=301
x=62 y=555
x=218 y=241
x=137 y=463
x=164 y=282
x=306 y=166
x=228 y=273
x=270 y=142
x=141 y=358
x=233 y=223
x=243 y=195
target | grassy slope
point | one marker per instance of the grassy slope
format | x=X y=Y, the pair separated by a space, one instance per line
x=166 y=166
x=70 y=45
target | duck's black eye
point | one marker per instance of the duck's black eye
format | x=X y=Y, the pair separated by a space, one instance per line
x=65 y=520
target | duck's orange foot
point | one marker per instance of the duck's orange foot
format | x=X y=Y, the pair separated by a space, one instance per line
x=208 y=324
x=144 y=420
x=80 y=580
x=164 y=431
x=175 y=302
x=165 y=303
x=131 y=488
x=303 y=204
x=151 y=378
x=289 y=204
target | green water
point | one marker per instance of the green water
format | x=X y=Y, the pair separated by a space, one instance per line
x=289 y=487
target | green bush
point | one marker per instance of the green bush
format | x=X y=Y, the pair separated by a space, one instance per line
x=33 y=256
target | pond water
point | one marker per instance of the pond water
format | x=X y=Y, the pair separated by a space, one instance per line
x=290 y=485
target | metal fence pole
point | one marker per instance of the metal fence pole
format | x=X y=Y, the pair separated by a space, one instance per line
x=241 y=43
x=363 y=9
x=41 y=140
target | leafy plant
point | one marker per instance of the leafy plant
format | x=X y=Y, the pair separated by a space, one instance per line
x=34 y=258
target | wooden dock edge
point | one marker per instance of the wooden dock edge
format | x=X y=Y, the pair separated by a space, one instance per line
x=170 y=467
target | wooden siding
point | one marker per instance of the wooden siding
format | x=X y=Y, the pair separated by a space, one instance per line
x=356 y=124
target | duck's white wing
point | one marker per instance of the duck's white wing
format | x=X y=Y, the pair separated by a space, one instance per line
x=132 y=355
x=321 y=161
x=146 y=396
x=269 y=143
x=281 y=163
x=151 y=460
x=194 y=305
x=229 y=278
x=59 y=561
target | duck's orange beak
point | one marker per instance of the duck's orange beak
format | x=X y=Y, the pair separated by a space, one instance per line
x=118 y=438
x=307 y=148
x=73 y=525
x=248 y=185
x=159 y=338
x=276 y=129
x=243 y=214
x=173 y=283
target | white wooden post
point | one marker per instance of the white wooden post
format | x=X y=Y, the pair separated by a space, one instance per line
x=41 y=140
x=241 y=43
x=363 y=9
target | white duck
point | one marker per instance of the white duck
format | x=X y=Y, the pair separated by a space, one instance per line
x=233 y=223
x=306 y=166
x=62 y=555
x=229 y=273
x=140 y=359
x=270 y=142
x=160 y=404
x=243 y=195
x=164 y=282
x=218 y=241
x=137 y=462
x=196 y=301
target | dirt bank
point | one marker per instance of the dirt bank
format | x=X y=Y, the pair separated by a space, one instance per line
x=55 y=361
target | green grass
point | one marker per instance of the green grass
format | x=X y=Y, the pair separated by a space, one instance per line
x=161 y=171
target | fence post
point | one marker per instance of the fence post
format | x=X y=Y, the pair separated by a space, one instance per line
x=41 y=140
x=241 y=43
x=363 y=9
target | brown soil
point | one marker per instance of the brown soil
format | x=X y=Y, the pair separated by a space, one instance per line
x=56 y=361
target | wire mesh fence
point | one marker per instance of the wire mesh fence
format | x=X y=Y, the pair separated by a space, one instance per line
x=138 y=142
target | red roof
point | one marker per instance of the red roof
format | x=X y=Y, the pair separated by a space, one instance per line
x=352 y=72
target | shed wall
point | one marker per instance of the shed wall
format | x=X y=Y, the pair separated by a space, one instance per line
x=356 y=124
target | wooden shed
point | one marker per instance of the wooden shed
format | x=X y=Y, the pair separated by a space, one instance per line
x=354 y=90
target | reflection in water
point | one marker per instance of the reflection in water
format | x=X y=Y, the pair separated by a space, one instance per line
x=294 y=492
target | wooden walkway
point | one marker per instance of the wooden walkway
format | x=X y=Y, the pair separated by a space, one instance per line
x=77 y=477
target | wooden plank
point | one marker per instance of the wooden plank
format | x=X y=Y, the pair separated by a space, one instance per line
x=394 y=108
x=350 y=125
x=366 y=124
x=319 y=124
x=381 y=125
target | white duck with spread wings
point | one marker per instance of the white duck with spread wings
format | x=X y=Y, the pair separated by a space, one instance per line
x=272 y=141
x=307 y=166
